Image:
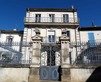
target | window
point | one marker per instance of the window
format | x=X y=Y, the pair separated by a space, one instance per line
x=68 y=33
x=91 y=39
x=51 y=36
x=51 y=17
x=65 y=18
x=9 y=40
x=38 y=18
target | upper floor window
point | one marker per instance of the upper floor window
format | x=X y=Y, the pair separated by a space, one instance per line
x=91 y=39
x=9 y=40
x=38 y=18
x=51 y=36
x=65 y=18
x=51 y=17
x=68 y=33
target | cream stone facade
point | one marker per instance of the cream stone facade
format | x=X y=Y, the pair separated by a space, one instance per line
x=50 y=22
x=51 y=47
x=50 y=32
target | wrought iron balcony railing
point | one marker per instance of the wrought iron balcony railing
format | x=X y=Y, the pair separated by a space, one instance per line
x=15 y=44
x=51 y=20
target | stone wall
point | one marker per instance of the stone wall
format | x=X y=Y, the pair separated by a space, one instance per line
x=14 y=74
x=34 y=75
x=72 y=74
x=80 y=74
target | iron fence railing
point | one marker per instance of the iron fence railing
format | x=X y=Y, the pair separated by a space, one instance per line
x=14 y=47
x=16 y=62
x=89 y=58
x=49 y=20
x=11 y=53
x=83 y=44
x=15 y=44
x=90 y=52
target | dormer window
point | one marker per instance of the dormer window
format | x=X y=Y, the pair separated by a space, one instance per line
x=38 y=18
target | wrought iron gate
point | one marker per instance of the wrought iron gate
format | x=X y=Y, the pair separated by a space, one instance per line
x=50 y=62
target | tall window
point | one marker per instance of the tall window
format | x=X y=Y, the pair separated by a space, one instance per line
x=68 y=33
x=9 y=40
x=38 y=18
x=91 y=39
x=51 y=36
x=51 y=17
x=65 y=18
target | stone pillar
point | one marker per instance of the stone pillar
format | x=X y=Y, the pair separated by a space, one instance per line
x=35 y=57
x=65 y=63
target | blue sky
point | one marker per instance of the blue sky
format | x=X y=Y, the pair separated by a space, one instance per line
x=12 y=12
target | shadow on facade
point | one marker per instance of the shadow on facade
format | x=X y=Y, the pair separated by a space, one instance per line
x=95 y=76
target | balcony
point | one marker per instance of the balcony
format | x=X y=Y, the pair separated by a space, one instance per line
x=49 y=21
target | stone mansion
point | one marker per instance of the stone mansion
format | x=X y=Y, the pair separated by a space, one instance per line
x=51 y=41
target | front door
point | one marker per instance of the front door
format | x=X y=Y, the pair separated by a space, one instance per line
x=50 y=62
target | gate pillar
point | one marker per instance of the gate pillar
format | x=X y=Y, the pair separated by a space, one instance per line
x=65 y=63
x=35 y=57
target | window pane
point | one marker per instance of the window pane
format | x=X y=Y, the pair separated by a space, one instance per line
x=53 y=38
x=49 y=38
